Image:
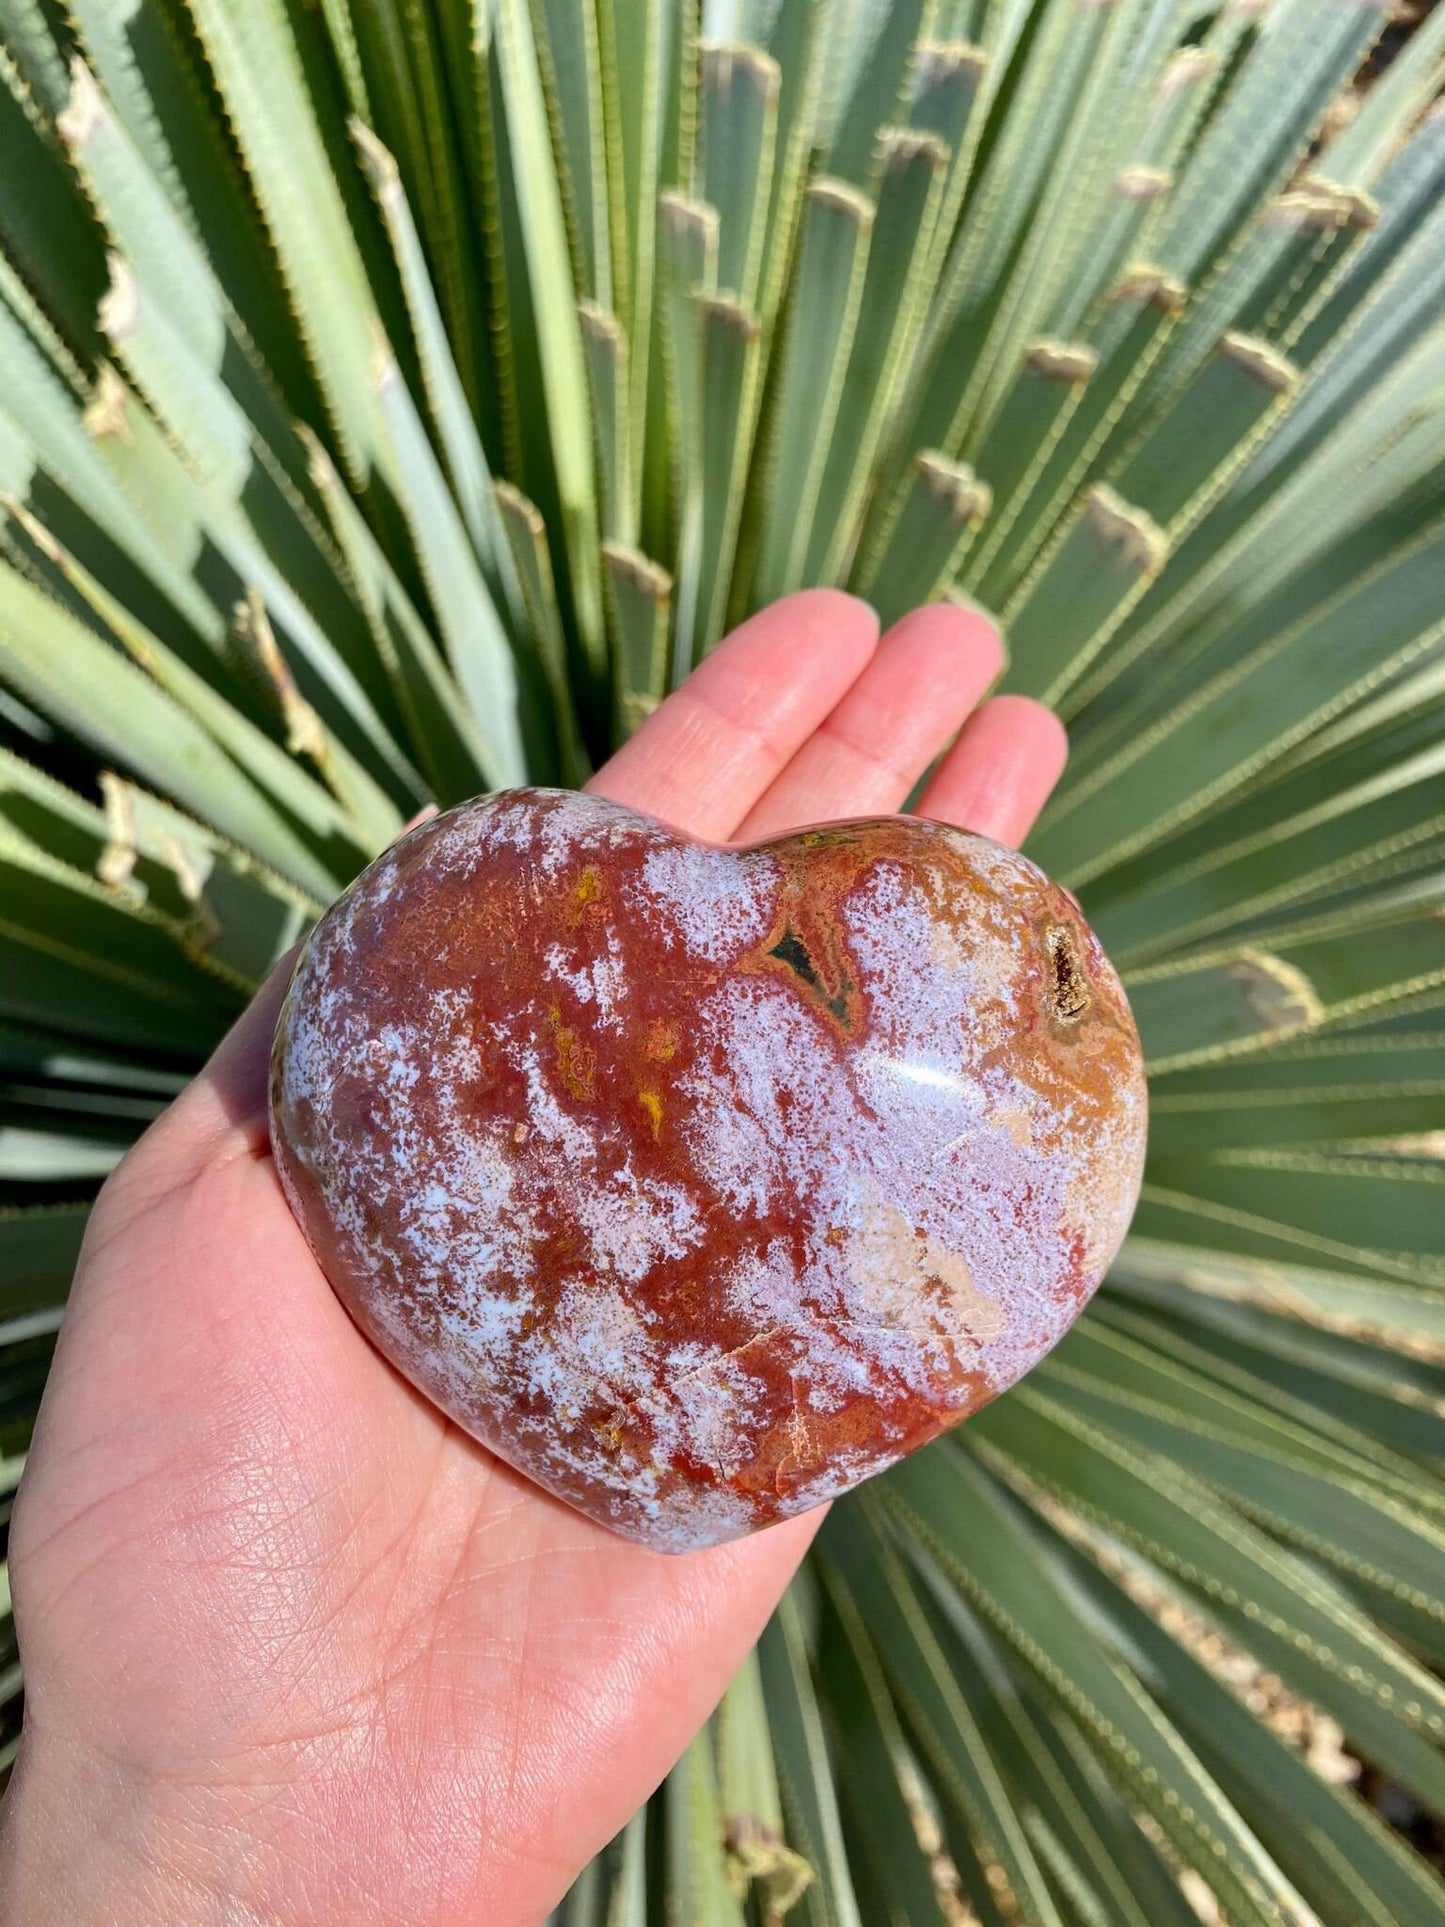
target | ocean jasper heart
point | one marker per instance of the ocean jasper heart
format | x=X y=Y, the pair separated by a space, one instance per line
x=697 y=1183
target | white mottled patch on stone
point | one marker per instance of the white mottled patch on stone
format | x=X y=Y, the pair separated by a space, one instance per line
x=732 y=1148
x=579 y=980
x=397 y=1068
x=679 y=1360
x=709 y=1414
x=485 y=1325
x=598 y=1338
x=598 y=980
x=763 y=1286
x=772 y=1077
x=577 y=815
x=688 y=1521
x=719 y=907
x=631 y=1222
x=490 y=824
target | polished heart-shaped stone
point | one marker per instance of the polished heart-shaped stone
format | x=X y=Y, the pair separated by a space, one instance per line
x=697 y=1183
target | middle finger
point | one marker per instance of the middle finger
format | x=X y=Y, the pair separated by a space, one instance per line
x=926 y=676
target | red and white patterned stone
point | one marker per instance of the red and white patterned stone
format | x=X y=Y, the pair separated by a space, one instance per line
x=701 y=1184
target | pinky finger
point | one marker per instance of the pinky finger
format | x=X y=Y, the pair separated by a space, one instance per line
x=998 y=774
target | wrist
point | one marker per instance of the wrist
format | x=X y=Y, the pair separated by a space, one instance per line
x=85 y=1844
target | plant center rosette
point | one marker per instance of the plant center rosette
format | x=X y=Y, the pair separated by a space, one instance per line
x=700 y=1183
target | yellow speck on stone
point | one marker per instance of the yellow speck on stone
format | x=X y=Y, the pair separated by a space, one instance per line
x=652 y=1104
x=590 y=889
x=576 y=1061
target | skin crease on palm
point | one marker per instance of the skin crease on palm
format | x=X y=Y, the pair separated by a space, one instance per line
x=296 y=1649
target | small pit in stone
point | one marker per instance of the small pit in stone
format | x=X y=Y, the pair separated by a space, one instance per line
x=1067 y=986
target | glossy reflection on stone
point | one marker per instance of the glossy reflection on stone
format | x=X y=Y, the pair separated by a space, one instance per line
x=701 y=1184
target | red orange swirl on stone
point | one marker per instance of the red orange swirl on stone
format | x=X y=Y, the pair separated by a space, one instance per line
x=701 y=1184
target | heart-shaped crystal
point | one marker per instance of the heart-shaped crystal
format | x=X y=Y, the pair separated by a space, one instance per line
x=701 y=1184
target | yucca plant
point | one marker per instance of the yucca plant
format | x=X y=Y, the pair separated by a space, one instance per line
x=397 y=396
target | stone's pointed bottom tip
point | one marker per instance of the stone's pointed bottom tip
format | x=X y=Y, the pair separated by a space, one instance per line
x=703 y=1184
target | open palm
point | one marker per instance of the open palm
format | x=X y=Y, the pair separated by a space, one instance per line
x=296 y=1648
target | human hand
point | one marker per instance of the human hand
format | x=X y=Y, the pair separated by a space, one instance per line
x=298 y=1650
